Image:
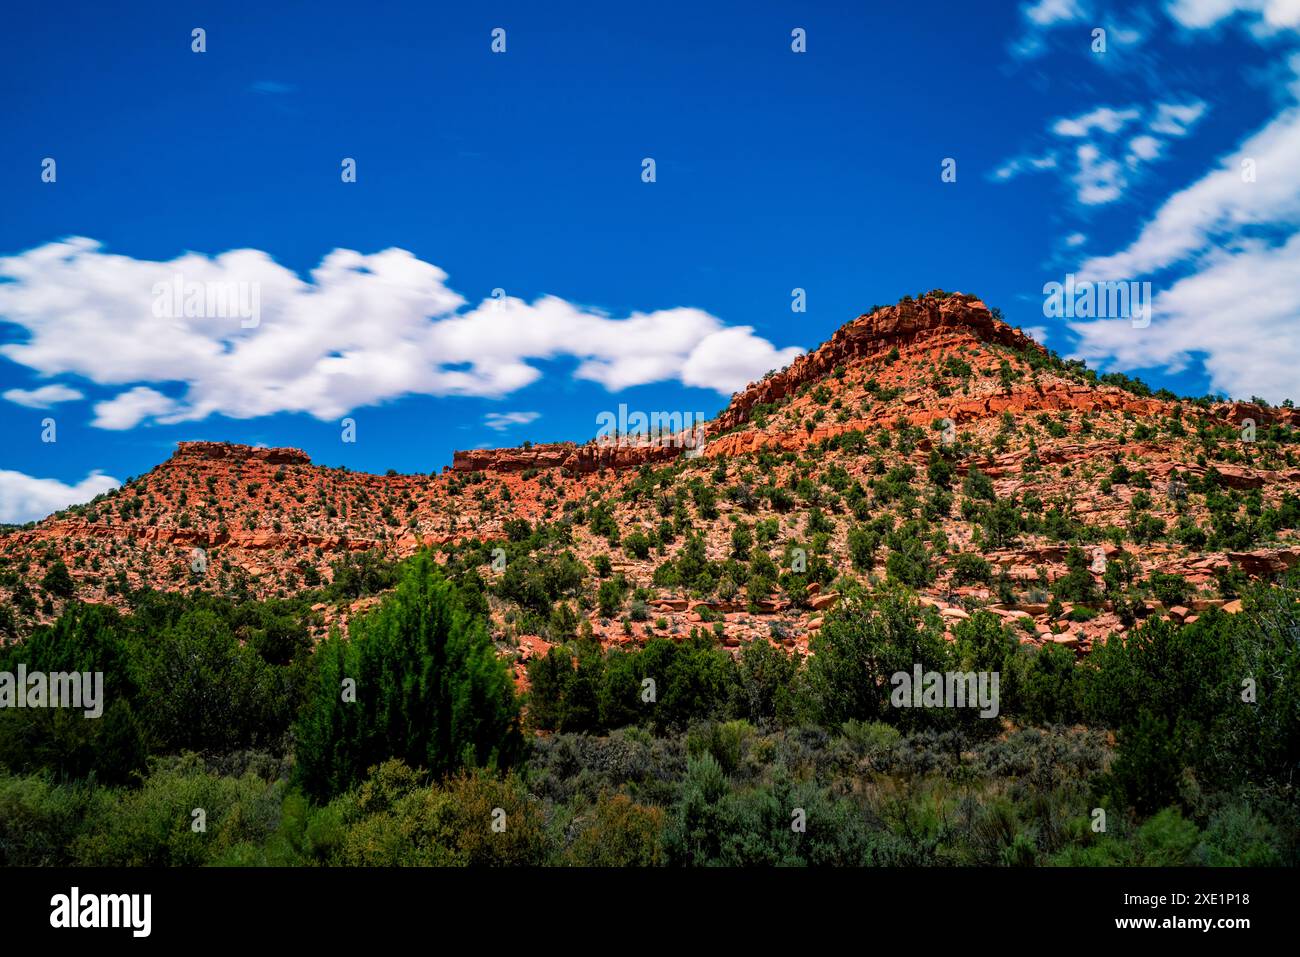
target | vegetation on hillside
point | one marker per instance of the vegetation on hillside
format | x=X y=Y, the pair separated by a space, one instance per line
x=429 y=767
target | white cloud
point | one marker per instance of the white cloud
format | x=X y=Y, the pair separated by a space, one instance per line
x=1093 y=168
x=1075 y=239
x=1045 y=13
x=1220 y=204
x=1239 y=311
x=1041 y=17
x=503 y=420
x=1067 y=26
x=1143 y=149
x=1267 y=16
x=1103 y=118
x=1025 y=164
x=26 y=499
x=1175 y=119
x=1118 y=35
x=727 y=359
x=44 y=397
x=1235 y=301
x=128 y=409
x=1098 y=178
x=360 y=330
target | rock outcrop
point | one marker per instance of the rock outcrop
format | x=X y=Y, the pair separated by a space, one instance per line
x=577 y=459
x=230 y=452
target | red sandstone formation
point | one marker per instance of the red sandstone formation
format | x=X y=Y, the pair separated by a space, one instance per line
x=942 y=368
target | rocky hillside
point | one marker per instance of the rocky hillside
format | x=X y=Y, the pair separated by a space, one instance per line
x=926 y=442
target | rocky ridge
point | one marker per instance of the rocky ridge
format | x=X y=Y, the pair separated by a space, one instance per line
x=884 y=434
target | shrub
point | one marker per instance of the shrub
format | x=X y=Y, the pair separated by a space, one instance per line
x=470 y=820
x=967 y=567
x=153 y=826
x=978 y=486
x=618 y=833
x=1169 y=589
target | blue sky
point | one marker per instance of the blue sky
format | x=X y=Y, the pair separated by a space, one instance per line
x=522 y=172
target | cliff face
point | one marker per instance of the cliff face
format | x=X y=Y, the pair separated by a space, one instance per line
x=576 y=459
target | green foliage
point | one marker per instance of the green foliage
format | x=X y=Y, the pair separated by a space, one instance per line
x=742 y=540
x=860 y=645
x=429 y=690
x=1213 y=697
x=180 y=673
x=536 y=581
x=58 y=580
x=153 y=826
x=1076 y=585
x=591 y=690
x=610 y=595
x=392 y=821
x=1169 y=589
x=40 y=821
x=637 y=545
x=969 y=568
x=357 y=574
x=676 y=752
x=1000 y=523
x=909 y=561
x=1048 y=684
x=863 y=542
x=618 y=832
x=766 y=679
x=977 y=485
x=199 y=687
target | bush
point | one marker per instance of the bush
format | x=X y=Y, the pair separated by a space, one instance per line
x=470 y=820
x=1048 y=685
x=1169 y=589
x=863 y=543
x=618 y=832
x=39 y=821
x=978 y=486
x=637 y=545
x=1076 y=585
x=58 y=581
x=968 y=568
x=767 y=679
x=154 y=826
x=610 y=596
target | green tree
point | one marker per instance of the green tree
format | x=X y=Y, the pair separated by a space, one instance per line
x=767 y=677
x=865 y=641
x=429 y=690
x=58 y=580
